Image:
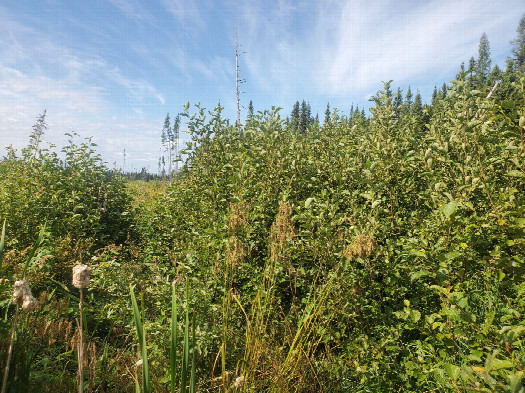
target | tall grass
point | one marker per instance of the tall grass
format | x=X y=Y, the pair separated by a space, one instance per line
x=186 y=347
x=141 y=335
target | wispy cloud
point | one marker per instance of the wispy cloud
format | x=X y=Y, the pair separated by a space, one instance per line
x=134 y=10
x=374 y=43
x=343 y=48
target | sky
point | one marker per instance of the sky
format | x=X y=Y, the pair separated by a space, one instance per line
x=111 y=70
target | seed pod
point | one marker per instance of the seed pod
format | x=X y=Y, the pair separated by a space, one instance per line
x=81 y=276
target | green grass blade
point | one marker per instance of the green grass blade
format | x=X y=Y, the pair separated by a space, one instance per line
x=185 y=356
x=142 y=343
x=192 y=376
x=173 y=349
x=2 y=243
x=33 y=250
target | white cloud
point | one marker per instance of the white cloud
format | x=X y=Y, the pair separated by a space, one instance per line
x=338 y=48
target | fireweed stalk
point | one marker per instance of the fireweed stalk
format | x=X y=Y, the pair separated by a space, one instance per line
x=81 y=279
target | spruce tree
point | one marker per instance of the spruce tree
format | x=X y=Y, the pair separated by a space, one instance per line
x=483 y=65
x=398 y=101
x=434 y=95
x=444 y=91
x=408 y=100
x=471 y=67
x=250 y=112
x=327 y=114
x=519 y=46
x=417 y=106
x=304 y=118
x=495 y=75
x=294 y=117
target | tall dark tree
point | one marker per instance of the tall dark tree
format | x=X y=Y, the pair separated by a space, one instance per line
x=295 y=117
x=443 y=91
x=470 y=71
x=496 y=75
x=408 y=100
x=304 y=118
x=434 y=95
x=398 y=101
x=250 y=112
x=327 y=114
x=417 y=106
x=507 y=89
x=519 y=46
x=483 y=64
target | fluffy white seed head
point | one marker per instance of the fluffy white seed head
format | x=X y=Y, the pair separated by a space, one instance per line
x=81 y=276
x=23 y=297
x=239 y=381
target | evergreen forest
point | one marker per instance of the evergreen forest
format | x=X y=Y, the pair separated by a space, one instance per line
x=366 y=251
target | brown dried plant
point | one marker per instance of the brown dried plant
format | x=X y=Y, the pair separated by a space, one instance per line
x=363 y=247
x=282 y=231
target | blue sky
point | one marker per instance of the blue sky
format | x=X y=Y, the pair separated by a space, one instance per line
x=113 y=69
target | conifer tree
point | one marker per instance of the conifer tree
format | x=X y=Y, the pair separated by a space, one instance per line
x=294 y=118
x=483 y=65
x=327 y=114
x=398 y=101
x=444 y=91
x=250 y=112
x=434 y=95
x=304 y=118
x=519 y=46
x=495 y=75
x=408 y=100
x=417 y=106
x=471 y=67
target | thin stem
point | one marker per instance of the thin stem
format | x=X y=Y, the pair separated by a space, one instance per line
x=10 y=350
x=81 y=345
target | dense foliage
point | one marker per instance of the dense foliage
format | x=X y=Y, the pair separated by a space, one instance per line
x=366 y=254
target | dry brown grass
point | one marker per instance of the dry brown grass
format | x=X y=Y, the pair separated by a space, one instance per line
x=362 y=246
x=282 y=232
x=236 y=249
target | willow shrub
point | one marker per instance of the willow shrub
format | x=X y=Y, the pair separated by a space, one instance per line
x=420 y=218
x=77 y=195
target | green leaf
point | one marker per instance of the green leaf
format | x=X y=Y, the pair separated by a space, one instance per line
x=452 y=371
x=515 y=173
x=33 y=250
x=516 y=384
x=308 y=202
x=415 y=315
x=498 y=364
x=449 y=209
x=418 y=274
x=520 y=222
